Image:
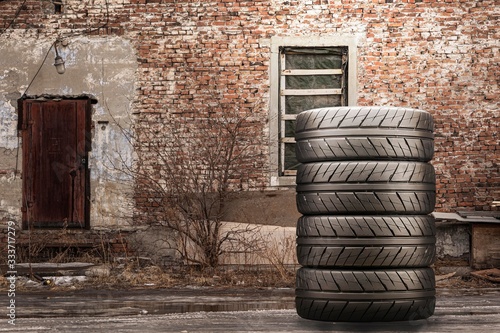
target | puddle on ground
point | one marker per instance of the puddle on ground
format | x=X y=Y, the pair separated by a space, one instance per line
x=215 y=307
x=74 y=308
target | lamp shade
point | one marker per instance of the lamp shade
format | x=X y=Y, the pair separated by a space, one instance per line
x=59 y=63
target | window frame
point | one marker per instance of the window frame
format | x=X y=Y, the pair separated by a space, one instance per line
x=278 y=42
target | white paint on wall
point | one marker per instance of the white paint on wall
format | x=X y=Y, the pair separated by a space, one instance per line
x=104 y=68
x=8 y=123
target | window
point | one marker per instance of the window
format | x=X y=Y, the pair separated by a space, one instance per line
x=58 y=5
x=306 y=73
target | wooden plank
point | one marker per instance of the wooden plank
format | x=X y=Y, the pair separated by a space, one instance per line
x=449 y=217
x=492 y=275
x=282 y=106
x=288 y=140
x=306 y=72
x=28 y=151
x=78 y=188
x=289 y=117
x=466 y=213
x=310 y=92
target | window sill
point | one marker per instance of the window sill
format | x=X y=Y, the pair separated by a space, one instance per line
x=283 y=181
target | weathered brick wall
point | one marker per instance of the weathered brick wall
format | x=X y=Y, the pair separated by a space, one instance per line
x=441 y=56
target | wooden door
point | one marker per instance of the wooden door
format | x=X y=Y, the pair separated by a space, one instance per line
x=56 y=141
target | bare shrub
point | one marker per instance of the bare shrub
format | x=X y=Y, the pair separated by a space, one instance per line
x=279 y=250
x=185 y=169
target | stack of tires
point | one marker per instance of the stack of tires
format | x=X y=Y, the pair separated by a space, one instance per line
x=365 y=188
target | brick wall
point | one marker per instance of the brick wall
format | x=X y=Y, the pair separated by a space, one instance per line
x=441 y=56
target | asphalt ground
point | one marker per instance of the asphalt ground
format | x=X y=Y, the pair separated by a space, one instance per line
x=225 y=310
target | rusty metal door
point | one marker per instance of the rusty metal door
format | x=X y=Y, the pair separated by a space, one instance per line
x=56 y=141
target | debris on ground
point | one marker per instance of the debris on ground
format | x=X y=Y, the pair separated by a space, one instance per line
x=492 y=275
x=444 y=276
x=144 y=274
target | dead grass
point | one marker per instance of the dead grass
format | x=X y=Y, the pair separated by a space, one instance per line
x=4 y=284
x=241 y=277
x=132 y=276
x=465 y=282
x=137 y=273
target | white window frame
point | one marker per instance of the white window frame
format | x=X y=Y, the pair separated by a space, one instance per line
x=336 y=40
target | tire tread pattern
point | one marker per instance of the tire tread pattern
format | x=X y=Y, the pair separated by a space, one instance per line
x=327 y=256
x=366 y=226
x=381 y=202
x=380 y=147
x=370 y=284
x=364 y=117
x=366 y=172
x=396 y=253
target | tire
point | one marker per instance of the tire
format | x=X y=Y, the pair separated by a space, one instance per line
x=370 y=172
x=354 y=133
x=366 y=187
x=381 y=202
x=364 y=241
x=365 y=295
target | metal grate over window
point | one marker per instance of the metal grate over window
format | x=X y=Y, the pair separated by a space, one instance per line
x=309 y=78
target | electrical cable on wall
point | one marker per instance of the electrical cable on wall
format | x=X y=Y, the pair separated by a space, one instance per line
x=59 y=63
x=38 y=71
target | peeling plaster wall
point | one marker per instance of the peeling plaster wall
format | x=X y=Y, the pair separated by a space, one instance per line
x=104 y=68
x=453 y=241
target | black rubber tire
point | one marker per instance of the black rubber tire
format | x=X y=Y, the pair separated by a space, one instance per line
x=365 y=241
x=369 y=172
x=366 y=226
x=366 y=187
x=379 y=202
x=365 y=295
x=354 y=133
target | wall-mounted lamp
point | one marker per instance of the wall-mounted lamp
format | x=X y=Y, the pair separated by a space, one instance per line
x=58 y=61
